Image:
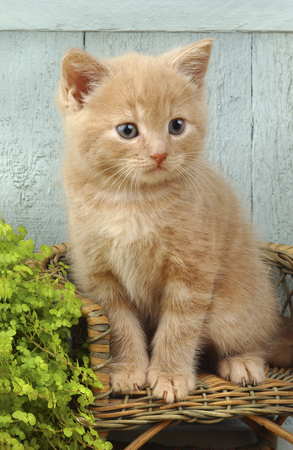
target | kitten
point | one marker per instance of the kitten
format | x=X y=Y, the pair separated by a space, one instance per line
x=158 y=237
x=280 y=353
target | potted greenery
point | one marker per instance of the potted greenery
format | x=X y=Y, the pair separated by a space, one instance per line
x=38 y=377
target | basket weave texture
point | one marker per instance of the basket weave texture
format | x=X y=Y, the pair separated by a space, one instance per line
x=214 y=399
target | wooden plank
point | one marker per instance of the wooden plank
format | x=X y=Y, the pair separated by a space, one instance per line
x=229 y=91
x=138 y=15
x=273 y=136
x=229 y=102
x=147 y=435
x=30 y=182
x=272 y=426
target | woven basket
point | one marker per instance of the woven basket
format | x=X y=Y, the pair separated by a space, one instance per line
x=213 y=400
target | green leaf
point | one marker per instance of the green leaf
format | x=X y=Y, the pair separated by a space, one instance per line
x=80 y=429
x=67 y=432
x=22 y=230
x=31 y=419
x=39 y=257
x=20 y=415
x=46 y=250
x=10 y=332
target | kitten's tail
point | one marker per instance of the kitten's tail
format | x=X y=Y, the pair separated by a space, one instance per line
x=281 y=351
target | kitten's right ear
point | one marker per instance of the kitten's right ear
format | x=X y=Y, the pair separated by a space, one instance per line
x=192 y=61
x=80 y=73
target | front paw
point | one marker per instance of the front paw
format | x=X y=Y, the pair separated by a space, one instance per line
x=127 y=378
x=170 y=386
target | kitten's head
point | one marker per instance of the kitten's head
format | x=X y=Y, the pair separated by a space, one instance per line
x=134 y=120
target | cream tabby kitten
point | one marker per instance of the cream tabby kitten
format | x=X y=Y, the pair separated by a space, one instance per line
x=158 y=237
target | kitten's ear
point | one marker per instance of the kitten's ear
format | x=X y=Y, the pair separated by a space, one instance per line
x=193 y=60
x=80 y=73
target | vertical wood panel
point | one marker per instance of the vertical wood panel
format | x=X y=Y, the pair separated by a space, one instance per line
x=273 y=135
x=30 y=185
x=229 y=101
x=229 y=87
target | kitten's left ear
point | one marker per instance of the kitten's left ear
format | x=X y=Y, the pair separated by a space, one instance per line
x=193 y=60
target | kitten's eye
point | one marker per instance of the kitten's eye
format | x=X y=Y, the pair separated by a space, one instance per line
x=127 y=130
x=176 y=126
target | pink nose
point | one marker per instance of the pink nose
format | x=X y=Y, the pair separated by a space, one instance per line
x=159 y=157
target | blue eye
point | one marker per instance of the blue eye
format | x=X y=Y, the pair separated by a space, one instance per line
x=176 y=126
x=127 y=130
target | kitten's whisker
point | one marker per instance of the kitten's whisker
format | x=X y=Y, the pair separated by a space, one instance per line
x=190 y=83
x=115 y=181
x=94 y=175
x=94 y=172
x=194 y=188
x=194 y=168
x=185 y=180
x=134 y=182
x=203 y=176
x=127 y=173
x=185 y=100
x=200 y=177
x=177 y=93
x=190 y=175
x=107 y=181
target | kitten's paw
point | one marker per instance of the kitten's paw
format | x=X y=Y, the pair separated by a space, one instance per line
x=170 y=386
x=243 y=369
x=127 y=378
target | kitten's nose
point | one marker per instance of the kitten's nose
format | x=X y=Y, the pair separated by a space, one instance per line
x=159 y=157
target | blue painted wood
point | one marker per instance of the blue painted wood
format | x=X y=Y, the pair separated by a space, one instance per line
x=30 y=149
x=151 y=15
x=273 y=135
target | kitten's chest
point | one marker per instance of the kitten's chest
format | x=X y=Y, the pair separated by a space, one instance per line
x=122 y=228
x=134 y=253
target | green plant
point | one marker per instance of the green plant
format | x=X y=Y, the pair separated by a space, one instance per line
x=38 y=378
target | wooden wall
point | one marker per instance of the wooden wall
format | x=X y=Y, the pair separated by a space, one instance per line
x=249 y=98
